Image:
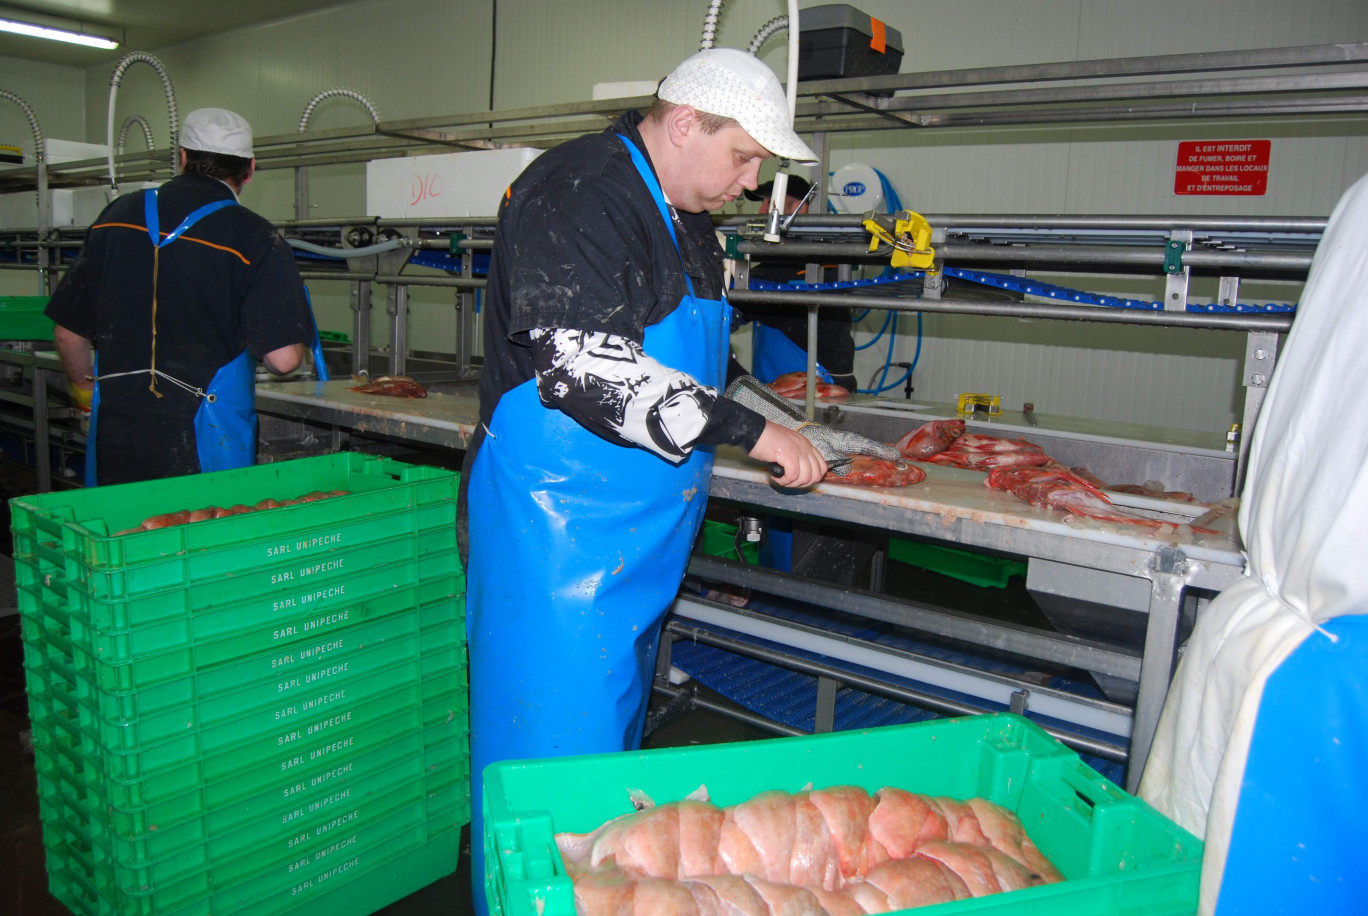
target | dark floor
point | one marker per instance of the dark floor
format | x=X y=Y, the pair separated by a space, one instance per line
x=23 y=877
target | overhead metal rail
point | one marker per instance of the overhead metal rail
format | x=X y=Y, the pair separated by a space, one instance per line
x=1320 y=81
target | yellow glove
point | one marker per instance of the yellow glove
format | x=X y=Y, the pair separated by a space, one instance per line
x=81 y=397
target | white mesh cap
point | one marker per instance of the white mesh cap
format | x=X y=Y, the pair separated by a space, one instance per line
x=217 y=130
x=735 y=84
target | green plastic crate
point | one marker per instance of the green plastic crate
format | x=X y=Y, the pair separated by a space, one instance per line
x=257 y=776
x=203 y=838
x=974 y=568
x=22 y=318
x=362 y=821
x=1118 y=854
x=81 y=523
x=718 y=539
x=230 y=745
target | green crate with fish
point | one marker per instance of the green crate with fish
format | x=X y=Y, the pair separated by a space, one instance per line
x=984 y=814
x=289 y=509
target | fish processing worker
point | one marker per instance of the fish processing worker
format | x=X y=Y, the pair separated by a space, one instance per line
x=179 y=289
x=779 y=339
x=606 y=337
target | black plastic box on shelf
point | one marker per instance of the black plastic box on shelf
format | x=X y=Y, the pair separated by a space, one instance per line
x=836 y=41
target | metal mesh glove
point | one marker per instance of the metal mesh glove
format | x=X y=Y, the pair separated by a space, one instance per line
x=833 y=444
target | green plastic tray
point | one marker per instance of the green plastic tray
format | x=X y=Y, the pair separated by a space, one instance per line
x=1117 y=853
x=416 y=772
x=364 y=889
x=210 y=669
x=22 y=318
x=240 y=884
x=718 y=539
x=81 y=522
x=440 y=659
x=967 y=566
x=236 y=743
x=357 y=823
x=273 y=619
x=272 y=771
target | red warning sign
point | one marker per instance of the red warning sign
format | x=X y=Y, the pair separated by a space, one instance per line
x=1222 y=167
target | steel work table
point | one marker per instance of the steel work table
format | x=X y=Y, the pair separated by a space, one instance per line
x=446 y=417
x=951 y=505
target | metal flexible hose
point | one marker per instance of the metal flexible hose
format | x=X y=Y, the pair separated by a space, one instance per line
x=710 y=24
x=330 y=93
x=128 y=125
x=33 y=122
x=345 y=253
x=777 y=24
x=116 y=80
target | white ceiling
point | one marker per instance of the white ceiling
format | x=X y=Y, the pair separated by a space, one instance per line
x=147 y=24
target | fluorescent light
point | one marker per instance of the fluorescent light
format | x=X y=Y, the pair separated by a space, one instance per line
x=76 y=38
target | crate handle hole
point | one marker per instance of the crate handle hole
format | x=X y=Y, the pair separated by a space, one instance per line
x=1085 y=805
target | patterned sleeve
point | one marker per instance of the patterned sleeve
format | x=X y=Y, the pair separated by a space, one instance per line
x=611 y=387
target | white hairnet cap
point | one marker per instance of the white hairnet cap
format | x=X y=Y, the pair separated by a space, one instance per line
x=217 y=130
x=738 y=85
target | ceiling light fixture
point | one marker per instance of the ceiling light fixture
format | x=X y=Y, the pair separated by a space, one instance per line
x=68 y=30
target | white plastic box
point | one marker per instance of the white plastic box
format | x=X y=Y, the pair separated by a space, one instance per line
x=446 y=184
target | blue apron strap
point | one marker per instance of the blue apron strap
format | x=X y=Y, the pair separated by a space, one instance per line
x=320 y=365
x=153 y=220
x=653 y=185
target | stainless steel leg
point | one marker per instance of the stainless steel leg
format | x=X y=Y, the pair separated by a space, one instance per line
x=825 y=718
x=398 y=310
x=361 y=310
x=42 y=449
x=1156 y=667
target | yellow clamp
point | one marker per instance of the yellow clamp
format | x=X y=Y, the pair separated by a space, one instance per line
x=973 y=403
x=81 y=397
x=910 y=237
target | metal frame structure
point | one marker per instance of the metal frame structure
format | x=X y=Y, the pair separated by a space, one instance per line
x=1303 y=82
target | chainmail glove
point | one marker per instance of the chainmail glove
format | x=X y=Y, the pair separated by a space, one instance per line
x=834 y=445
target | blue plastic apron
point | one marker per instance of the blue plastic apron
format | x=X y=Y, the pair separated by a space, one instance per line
x=577 y=549
x=225 y=423
x=773 y=355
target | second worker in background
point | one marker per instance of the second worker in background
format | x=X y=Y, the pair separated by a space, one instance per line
x=180 y=290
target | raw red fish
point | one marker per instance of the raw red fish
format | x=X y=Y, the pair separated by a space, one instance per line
x=930 y=438
x=189 y=516
x=865 y=471
x=393 y=386
x=1176 y=496
x=983 y=453
x=1049 y=488
x=794 y=385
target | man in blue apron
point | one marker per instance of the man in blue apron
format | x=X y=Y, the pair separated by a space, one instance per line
x=606 y=338
x=180 y=290
x=779 y=339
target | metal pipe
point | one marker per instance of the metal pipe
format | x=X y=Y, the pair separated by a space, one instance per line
x=868 y=684
x=393 y=279
x=1097 y=256
x=925 y=618
x=1221 y=321
x=1207 y=61
x=967 y=222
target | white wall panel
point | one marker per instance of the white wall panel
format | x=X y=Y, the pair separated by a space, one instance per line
x=56 y=95
x=416 y=58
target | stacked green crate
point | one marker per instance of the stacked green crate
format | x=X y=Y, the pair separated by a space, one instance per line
x=253 y=712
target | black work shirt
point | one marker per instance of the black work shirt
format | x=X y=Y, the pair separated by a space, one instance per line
x=228 y=284
x=581 y=245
